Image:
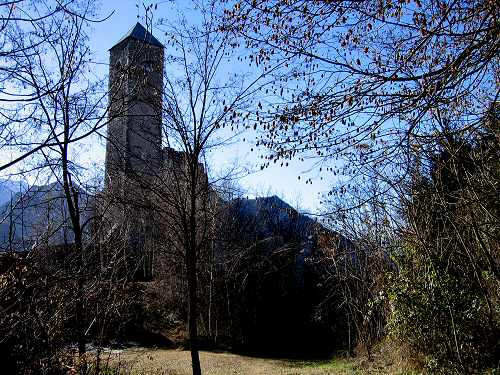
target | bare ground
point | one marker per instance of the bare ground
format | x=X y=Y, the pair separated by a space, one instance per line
x=178 y=362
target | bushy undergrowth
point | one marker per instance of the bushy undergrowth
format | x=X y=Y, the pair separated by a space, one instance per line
x=444 y=290
x=438 y=314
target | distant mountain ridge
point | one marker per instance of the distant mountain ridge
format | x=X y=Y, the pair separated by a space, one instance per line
x=8 y=188
x=272 y=213
x=38 y=214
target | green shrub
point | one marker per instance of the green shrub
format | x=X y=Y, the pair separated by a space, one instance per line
x=444 y=289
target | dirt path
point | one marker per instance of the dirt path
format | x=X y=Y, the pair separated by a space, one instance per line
x=178 y=362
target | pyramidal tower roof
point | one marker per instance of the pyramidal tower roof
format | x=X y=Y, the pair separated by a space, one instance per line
x=139 y=32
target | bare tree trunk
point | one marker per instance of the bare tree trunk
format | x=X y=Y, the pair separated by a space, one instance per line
x=71 y=197
x=210 y=292
x=191 y=254
x=193 y=310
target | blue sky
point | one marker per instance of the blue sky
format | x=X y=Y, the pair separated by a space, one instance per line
x=273 y=180
x=277 y=180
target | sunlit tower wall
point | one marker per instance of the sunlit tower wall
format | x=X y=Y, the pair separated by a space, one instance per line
x=133 y=149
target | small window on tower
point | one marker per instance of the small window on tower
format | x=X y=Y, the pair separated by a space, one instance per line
x=118 y=68
x=148 y=66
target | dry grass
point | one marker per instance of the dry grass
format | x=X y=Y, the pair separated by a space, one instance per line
x=178 y=362
x=135 y=361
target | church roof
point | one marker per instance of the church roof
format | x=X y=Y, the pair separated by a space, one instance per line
x=139 y=32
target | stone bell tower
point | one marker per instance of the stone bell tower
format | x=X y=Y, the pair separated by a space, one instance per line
x=133 y=149
x=135 y=87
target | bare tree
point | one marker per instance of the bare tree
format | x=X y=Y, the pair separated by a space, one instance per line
x=354 y=271
x=364 y=81
x=50 y=107
x=29 y=36
x=199 y=102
